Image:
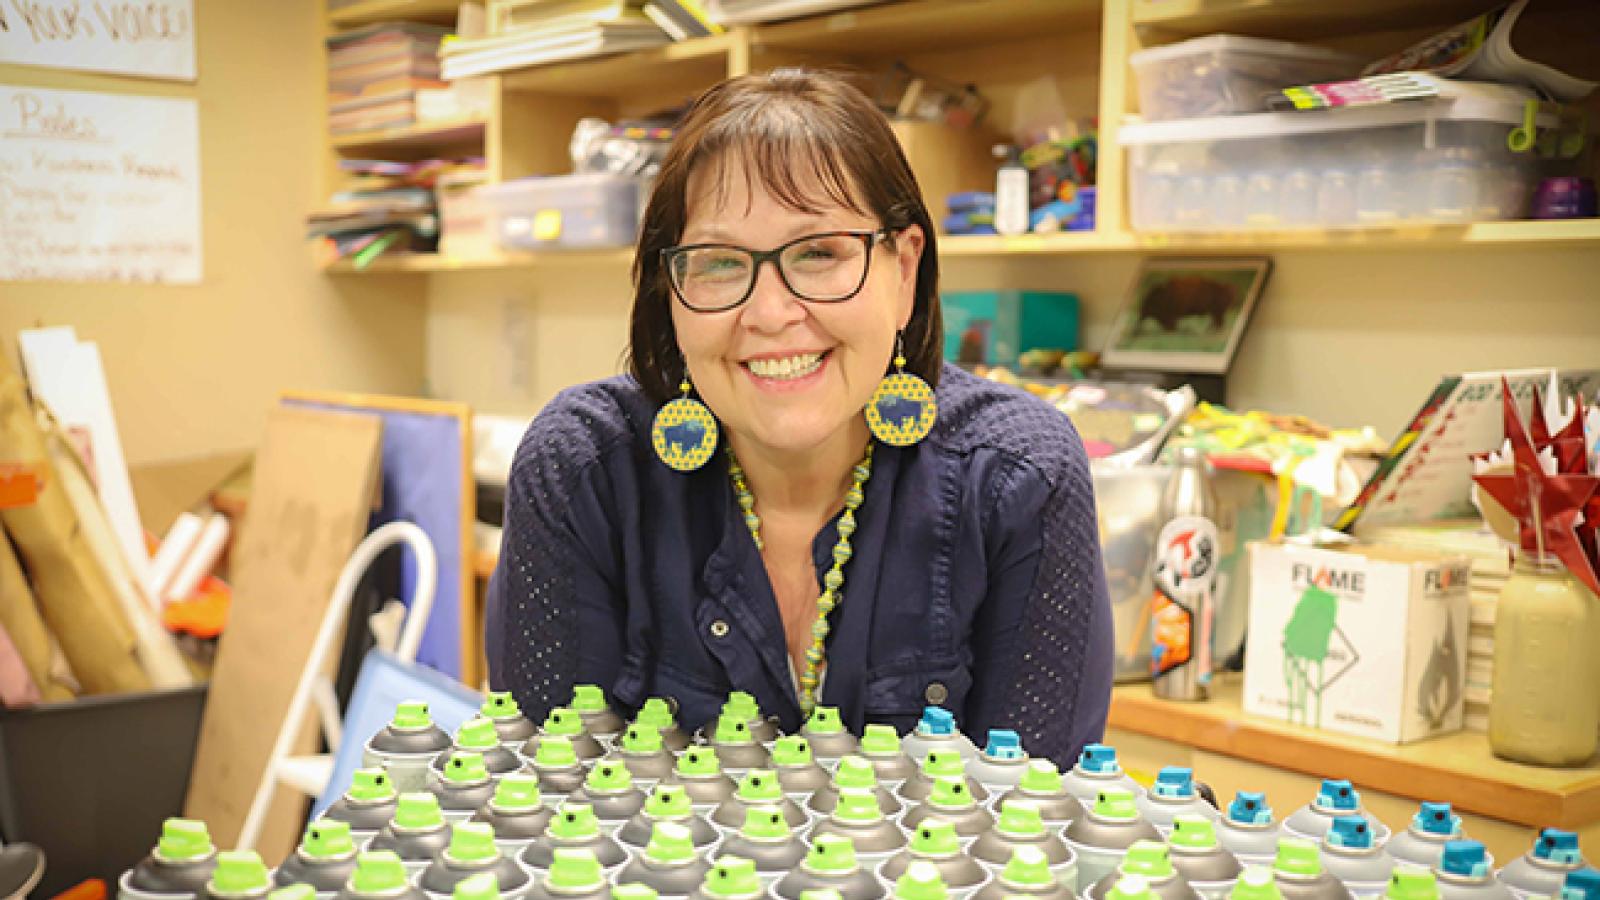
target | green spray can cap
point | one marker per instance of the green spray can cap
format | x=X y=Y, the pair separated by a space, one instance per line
x=184 y=840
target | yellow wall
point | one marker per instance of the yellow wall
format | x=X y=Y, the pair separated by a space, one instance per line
x=193 y=369
x=1349 y=337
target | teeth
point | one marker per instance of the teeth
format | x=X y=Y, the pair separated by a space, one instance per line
x=797 y=366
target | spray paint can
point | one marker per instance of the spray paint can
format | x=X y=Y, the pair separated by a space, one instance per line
x=699 y=773
x=670 y=864
x=1096 y=770
x=767 y=841
x=513 y=727
x=472 y=850
x=380 y=875
x=516 y=812
x=416 y=834
x=880 y=745
x=1335 y=798
x=1184 y=572
x=1423 y=843
x=1349 y=855
x=1101 y=838
x=856 y=816
x=1255 y=883
x=952 y=801
x=179 y=865
x=556 y=763
x=831 y=865
x=667 y=803
x=935 y=842
x=406 y=746
x=1043 y=787
x=610 y=792
x=463 y=786
x=1298 y=871
x=1583 y=884
x=573 y=827
x=1200 y=858
x=1465 y=872
x=1172 y=795
x=1543 y=870
x=736 y=746
x=797 y=768
x=563 y=722
x=827 y=735
x=325 y=859
x=589 y=701
x=937 y=730
x=369 y=803
x=574 y=874
x=732 y=878
x=1003 y=761
x=1026 y=875
x=644 y=753
x=478 y=735
x=1021 y=825
x=759 y=787
x=940 y=763
x=1148 y=860
x=658 y=712
x=856 y=773
x=1412 y=883
x=921 y=881
x=239 y=875
x=742 y=707
x=1248 y=831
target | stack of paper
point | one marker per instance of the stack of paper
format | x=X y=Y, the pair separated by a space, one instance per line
x=539 y=32
x=374 y=74
x=746 y=12
x=384 y=206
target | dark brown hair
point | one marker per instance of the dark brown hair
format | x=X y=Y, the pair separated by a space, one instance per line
x=847 y=156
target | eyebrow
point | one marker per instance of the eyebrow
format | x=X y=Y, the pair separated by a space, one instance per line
x=717 y=233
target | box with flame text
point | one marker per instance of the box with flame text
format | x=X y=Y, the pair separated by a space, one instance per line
x=1369 y=641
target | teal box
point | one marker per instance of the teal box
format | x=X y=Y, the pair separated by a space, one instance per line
x=993 y=328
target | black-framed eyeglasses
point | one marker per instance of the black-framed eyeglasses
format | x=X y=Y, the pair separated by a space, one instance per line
x=828 y=267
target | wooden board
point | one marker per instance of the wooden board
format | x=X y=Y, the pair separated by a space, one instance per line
x=313 y=486
x=1457 y=768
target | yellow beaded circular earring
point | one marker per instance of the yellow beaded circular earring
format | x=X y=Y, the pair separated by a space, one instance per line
x=902 y=409
x=684 y=432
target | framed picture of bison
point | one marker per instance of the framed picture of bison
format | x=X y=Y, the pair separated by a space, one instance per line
x=1186 y=315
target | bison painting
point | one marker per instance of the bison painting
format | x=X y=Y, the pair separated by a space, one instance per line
x=684 y=436
x=899 y=411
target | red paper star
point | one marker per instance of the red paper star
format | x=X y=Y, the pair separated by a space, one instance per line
x=1546 y=506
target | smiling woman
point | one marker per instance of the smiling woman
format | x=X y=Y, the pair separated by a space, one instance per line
x=790 y=494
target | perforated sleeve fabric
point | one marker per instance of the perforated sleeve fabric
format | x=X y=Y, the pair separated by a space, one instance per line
x=1042 y=642
x=554 y=616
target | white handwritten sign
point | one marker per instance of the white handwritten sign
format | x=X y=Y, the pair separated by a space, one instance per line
x=98 y=187
x=154 y=38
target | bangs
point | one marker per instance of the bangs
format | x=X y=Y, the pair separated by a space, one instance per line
x=798 y=162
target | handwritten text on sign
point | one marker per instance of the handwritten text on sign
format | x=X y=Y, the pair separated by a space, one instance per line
x=153 y=38
x=98 y=187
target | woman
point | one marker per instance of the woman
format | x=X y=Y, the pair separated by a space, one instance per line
x=763 y=505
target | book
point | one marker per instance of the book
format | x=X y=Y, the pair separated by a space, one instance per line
x=695 y=10
x=566 y=13
x=383 y=88
x=517 y=50
x=750 y=12
x=674 y=29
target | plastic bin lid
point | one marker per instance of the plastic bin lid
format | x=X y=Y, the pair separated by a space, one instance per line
x=1459 y=102
x=1235 y=43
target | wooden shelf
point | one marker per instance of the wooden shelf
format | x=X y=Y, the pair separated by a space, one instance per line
x=421 y=136
x=433 y=262
x=483 y=563
x=439 y=12
x=1300 y=18
x=1568 y=232
x=901 y=29
x=694 y=64
x=1457 y=767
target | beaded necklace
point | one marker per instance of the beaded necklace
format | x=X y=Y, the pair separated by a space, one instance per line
x=832 y=582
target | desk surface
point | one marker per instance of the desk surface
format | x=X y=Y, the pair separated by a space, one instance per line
x=1457 y=766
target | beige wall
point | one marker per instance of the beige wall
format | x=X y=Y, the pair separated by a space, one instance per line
x=1348 y=337
x=193 y=369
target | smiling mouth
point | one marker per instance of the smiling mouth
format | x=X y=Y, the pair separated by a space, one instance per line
x=786 y=368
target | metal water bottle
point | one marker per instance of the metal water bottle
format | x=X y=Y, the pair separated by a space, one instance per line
x=1184 y=572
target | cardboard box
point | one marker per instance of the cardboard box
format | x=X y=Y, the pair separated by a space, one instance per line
x=1368 y=641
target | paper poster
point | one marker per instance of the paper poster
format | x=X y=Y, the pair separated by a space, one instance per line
x=153 y=38
x=98 y=187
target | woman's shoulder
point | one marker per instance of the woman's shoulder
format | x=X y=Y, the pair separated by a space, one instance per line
x=977 y=414
x=583 y=423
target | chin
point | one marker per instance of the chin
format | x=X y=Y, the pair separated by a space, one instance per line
x=795 y=434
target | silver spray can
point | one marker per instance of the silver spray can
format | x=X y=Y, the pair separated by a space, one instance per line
x=1543 y=870
x=1184 y=573
x=1349 y=854
x=1248 y=830
x=1465 y=872
x=1421 y=844
x=1300 y=876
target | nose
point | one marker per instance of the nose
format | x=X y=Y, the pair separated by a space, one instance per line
x=772 y=306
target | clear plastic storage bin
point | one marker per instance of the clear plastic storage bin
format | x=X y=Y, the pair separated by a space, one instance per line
x=1224 y=74
x=1439 y=161
x=587 y=210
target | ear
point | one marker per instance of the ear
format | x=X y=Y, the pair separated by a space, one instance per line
x=908 y=245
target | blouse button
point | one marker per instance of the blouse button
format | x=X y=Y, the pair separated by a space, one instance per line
x=719 y=629
x=936 y=693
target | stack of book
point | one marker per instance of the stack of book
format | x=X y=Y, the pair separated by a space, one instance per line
x=749 y=12
x=526 y=33
x=383 y=207
x=374 y=74
x=1491 y=566
x=682 y=20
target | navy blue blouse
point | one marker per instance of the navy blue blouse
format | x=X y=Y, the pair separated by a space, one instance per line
x=976 y=581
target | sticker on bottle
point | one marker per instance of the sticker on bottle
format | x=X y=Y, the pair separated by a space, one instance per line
x=1185 y=577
